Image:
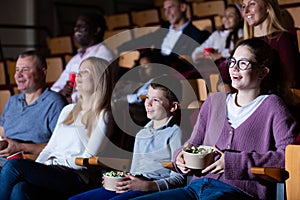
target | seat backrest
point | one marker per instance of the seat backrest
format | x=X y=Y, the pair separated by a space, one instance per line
x=203 y=24
x=213 y=78
x=2 y=74
x=117 y=21
x=4 y=96
x=295 y=12
x=145 y=17
x=292 y=166
x=138 y=32
x=54 y=68
x=208 y=8
x=127 y=59
x=193 y=90
x=60 y=45
x=11 y=69
x=115 y=38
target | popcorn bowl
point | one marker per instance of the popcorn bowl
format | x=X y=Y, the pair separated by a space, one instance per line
x=110 y=179
x=198 y=157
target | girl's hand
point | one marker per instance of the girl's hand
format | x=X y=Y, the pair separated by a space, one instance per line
x=218 y=166
x=134 y=183
x=180 y=163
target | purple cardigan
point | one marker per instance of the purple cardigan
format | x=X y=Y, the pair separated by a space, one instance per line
x=258 y=141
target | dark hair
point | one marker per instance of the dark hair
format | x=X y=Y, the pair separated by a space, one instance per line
x=170 y=85
x=152 y=54
x=233 y=35
x=96 y=20
x=265 y=56
x=40 y=58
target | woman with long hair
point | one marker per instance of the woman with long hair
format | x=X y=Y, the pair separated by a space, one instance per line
x=82 y=130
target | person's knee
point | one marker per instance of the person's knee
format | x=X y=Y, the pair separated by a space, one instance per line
x=19 y=191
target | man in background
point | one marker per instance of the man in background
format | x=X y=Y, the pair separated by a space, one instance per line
x=89 y=32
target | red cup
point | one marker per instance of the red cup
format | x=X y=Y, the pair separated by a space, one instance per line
x=72 y=77
x=16 y=155
x=207 y=51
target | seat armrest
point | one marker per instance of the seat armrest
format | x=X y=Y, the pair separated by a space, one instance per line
x=106 y=163
x=168 y=164
x=271 y=174
x=30 y=156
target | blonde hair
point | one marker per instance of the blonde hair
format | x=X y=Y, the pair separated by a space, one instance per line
x=101 y=97
x=274 y=18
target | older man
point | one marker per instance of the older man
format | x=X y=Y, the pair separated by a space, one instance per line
x=29 y=118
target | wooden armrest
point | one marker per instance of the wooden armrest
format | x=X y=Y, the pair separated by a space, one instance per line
x=168 y=165
x=30 y=156
x=105 y=163
x=270 y=174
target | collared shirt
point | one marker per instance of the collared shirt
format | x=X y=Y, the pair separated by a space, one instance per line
x=151 y=147
x=171 y=38
x=98 y=50
x=35 y=122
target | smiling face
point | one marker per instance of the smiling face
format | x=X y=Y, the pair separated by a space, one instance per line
x=174 y=11
x=254 y=12
x=83 y=32
x=231 y=18
x=250 y=78
x=157 y=105
x=28 y=77
x=84 y=79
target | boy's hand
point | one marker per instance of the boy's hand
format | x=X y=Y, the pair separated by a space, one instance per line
x=134 y=183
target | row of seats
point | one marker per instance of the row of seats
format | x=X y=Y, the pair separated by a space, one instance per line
x=209 y=10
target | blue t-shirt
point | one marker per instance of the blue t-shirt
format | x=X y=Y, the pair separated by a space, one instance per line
x=32 y=123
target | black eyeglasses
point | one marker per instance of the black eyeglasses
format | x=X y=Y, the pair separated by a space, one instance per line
x=242 y=64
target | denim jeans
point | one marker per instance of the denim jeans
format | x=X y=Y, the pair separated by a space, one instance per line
x=104 y=194
x=25 y=179
x=204 y=189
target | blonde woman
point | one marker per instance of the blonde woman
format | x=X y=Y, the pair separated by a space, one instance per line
x=263 y=19
x=80 y=132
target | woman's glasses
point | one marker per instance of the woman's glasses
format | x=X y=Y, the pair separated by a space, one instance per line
x=242 y=64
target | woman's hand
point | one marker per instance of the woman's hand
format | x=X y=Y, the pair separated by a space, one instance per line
x=134 y=183
x=218 y=166
x=180 y=163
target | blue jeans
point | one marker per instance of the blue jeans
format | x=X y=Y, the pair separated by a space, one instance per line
x=25 y=179
x=104 y=194
x=204 y=189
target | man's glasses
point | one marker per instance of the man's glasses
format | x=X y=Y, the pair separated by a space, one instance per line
x=242 y=64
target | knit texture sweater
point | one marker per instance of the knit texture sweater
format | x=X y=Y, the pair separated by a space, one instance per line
x=259 y=141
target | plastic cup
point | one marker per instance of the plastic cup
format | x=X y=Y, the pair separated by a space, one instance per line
x=207 y=51
x=72 y=77
x=16 y=155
